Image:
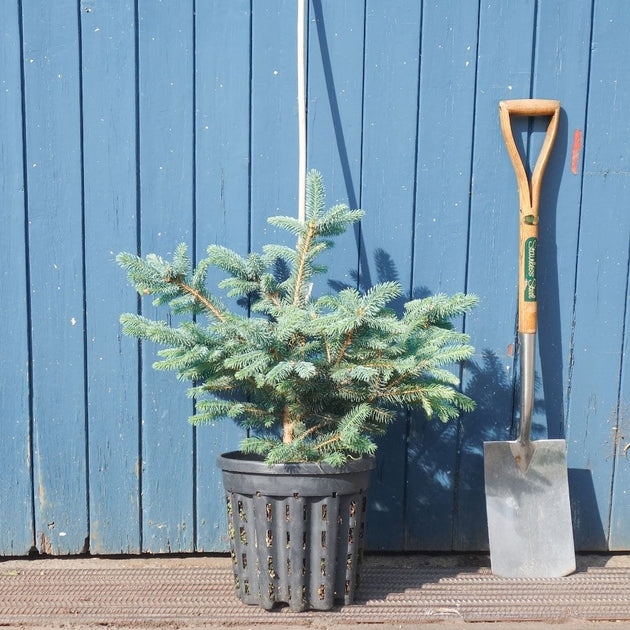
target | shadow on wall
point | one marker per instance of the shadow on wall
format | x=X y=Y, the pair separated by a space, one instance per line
x=428 y=489
x=388 y=494
x=446 y=463
x=445 y=471
x=434 y=491
x=588 y=530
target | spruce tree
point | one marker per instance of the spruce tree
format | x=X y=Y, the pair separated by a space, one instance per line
x=314 y=379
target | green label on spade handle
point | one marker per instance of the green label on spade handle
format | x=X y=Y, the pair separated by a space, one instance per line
x=531 y=245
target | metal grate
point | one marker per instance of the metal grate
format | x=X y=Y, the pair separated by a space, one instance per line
x=393 y=590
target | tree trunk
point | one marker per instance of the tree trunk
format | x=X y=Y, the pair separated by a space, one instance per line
x=287 y=426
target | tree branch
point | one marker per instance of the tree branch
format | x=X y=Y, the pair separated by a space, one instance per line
x=344 y=347
x=327 y=347
x=200 y=298
x=317 y=427
x=332 y=440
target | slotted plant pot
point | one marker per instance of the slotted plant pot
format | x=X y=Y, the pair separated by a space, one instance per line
x=296 y=530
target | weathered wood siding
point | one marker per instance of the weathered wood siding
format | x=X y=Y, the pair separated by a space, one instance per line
x=137 y=125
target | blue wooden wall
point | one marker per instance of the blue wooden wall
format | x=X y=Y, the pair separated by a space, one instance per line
x=135 y=125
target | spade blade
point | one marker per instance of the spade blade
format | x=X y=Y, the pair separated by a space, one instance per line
x=529 y=516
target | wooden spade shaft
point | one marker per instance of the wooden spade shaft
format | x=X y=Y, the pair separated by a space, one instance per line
x=529 y=202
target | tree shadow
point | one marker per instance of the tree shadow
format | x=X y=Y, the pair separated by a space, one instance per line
x=385 y=271
x=491 y=385
x=387 y=498
x=382 y=575
x=447 y=461
x=438 y=466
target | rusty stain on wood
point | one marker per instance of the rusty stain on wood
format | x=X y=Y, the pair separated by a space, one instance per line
x=575 y=151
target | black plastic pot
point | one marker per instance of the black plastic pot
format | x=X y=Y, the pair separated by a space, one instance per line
x=296 y=530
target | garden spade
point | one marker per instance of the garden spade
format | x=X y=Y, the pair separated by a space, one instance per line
x=527 y=490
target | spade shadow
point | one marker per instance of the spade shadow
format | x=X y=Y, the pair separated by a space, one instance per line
x=588 y=529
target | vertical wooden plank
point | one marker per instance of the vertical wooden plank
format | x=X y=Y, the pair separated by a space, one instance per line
x=619 y=537
x=16 y=510
x=53 y=138
x=222 y=137
x=563 y=36
x=335 y=90
x=392 y=47
x=274 y=139
x=447 y=97
x=503 y=71
x=166 y=195
x=601 y=289
x=109 y=134
x=335 y=108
